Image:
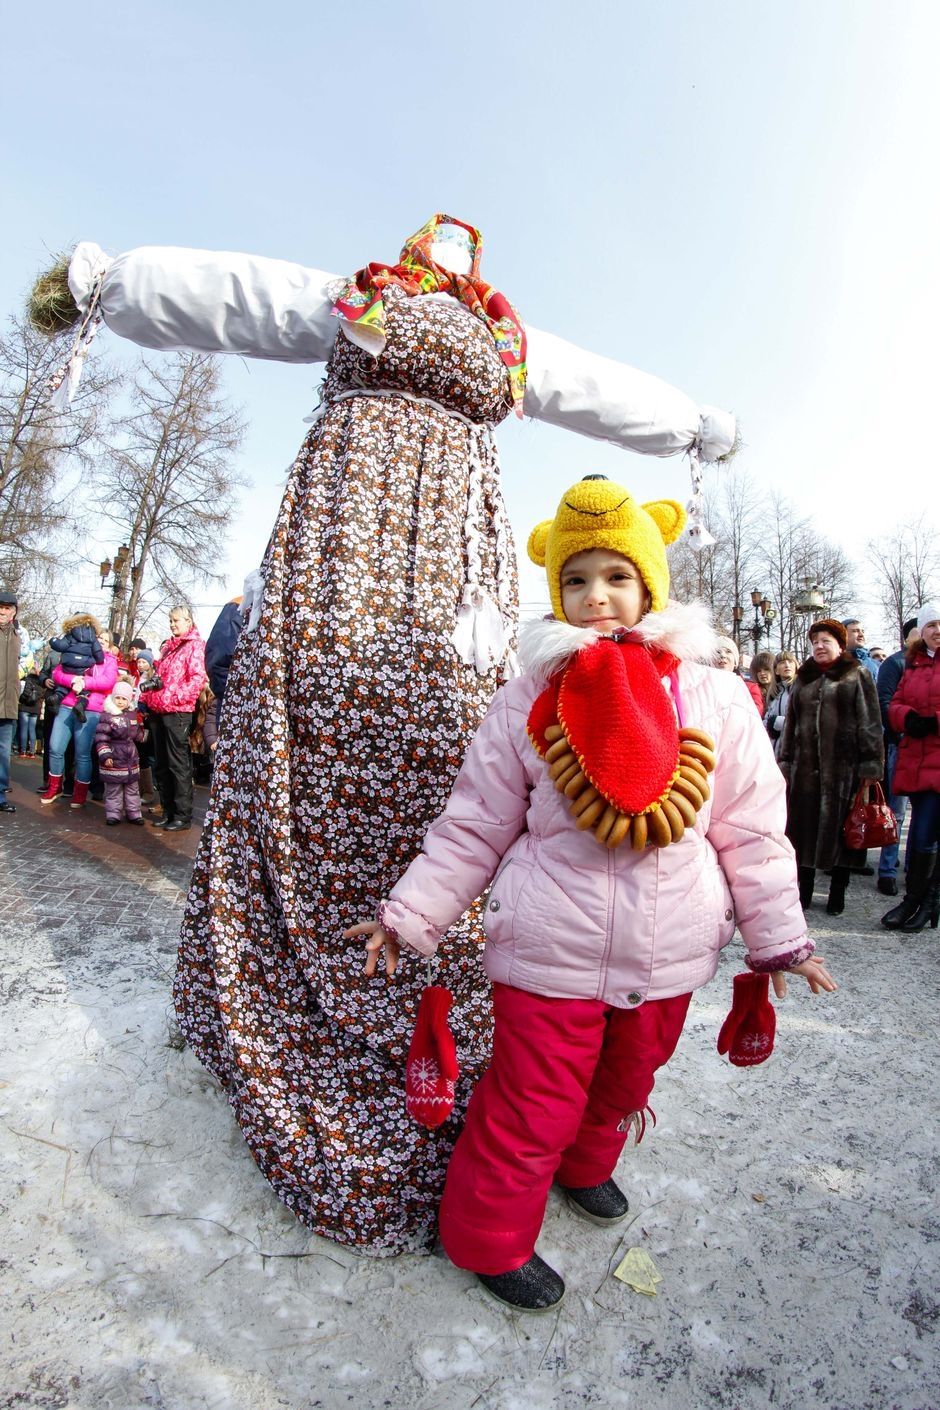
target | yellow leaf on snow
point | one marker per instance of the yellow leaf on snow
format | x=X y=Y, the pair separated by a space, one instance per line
x=639 y=1272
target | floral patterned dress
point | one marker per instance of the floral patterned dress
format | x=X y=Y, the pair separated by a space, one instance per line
x=347 y=713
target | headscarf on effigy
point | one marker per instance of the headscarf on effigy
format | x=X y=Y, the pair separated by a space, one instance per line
x=416 y=272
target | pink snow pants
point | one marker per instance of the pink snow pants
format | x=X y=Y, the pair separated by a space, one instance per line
x=564 y=1075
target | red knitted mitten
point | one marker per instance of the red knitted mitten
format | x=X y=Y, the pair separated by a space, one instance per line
x=747 y=1034
x=432 y=1061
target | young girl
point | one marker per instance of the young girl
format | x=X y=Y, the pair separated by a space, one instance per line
x=762 y=673
x=595 y=940
x=116 y=739
x=778 y=697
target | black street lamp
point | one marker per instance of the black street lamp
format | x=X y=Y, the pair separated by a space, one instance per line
x=764 y=617
x=120 y=568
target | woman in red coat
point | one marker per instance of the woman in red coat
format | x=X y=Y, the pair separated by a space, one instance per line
x=182 y=673
x=914 y=713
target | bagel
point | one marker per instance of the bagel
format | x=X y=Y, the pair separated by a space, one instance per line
x=584 y=800
x=683 y=807
x=619 y=831
x=639 y=832
x=553 y=733
x=698 y=736
x=564 y=779
x=564 y=761
x=692 y=769
x=574 y=785
x=591 y=814
x=674 y=819
x=556 y=750
x=660 y=833
x=608 y=818
x=693 y=750
x=688 y=791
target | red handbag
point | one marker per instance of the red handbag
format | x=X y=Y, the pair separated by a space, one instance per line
x=870 y=822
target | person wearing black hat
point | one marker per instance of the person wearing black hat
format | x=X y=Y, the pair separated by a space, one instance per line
x=889 y=678
x=9 y=690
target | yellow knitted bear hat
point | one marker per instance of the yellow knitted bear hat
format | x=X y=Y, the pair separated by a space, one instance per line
x=598 y=513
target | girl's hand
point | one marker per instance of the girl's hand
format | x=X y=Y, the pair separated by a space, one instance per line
x=817 y=977
x=379 y=939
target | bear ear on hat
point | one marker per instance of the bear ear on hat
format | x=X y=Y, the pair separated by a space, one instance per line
x=538 y=542
x=668 y=516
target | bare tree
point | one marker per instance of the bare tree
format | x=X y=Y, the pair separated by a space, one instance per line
x=739 y=547
x=169 y=481
x=906 y=563
x=43 y=452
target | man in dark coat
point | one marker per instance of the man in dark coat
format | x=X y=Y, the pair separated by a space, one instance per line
x=832 y=741
x=9 y=690
x=855 y=645
x=889 y=678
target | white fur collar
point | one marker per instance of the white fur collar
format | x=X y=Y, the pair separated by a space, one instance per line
x=685 y=630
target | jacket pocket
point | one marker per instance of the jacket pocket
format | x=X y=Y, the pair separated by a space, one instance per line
x=503 y=899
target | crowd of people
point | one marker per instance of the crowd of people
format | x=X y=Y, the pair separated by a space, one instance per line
x=848 y=716
x=133 y=728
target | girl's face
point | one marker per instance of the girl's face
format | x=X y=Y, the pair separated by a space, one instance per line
x=764 y=675
x=179 y=624
x=931 y=636
x=603 y=590
x=825 y=649
x=725 y=660
x=786 y=670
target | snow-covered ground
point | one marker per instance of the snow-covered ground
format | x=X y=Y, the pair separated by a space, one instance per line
x=791 y=1209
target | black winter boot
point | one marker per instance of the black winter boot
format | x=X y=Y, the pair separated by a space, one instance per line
x=929 y=908
x=807 y=880
x=532 y=1288
x=918 y=877
x=602 y=1204
x=840 y=880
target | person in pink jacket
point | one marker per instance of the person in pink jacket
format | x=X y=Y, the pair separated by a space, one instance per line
x=181 y=669
x=616 y=737
x=77 y=719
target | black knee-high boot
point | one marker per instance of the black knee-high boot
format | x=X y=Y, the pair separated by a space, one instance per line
x=929 y=907
x=918 y=878
x=807 y=879
x=840 y=880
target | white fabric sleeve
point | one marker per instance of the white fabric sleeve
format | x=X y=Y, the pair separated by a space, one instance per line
x=164 y=297
x=610 y=401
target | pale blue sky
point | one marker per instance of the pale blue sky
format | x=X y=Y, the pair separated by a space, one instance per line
x=738 y=196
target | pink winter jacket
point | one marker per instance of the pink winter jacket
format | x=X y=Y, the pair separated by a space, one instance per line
x=182 y=668
x=98 y=682
x=565 y=916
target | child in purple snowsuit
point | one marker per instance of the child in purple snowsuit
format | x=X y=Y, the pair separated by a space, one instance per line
x=116 y=744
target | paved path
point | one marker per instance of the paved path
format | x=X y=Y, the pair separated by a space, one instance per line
x=792 y=1209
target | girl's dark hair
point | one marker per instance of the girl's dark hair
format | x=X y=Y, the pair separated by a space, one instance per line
x=763 y=661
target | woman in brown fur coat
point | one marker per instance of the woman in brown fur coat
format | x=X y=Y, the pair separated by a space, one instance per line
x=832 y=741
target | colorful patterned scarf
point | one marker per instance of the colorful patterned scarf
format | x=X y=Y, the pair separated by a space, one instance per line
x=416 y=273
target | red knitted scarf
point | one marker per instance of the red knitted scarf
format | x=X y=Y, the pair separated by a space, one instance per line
x=618 y=719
